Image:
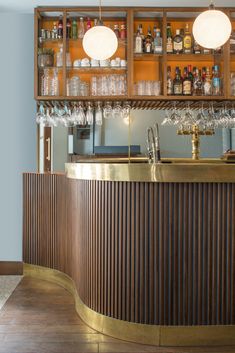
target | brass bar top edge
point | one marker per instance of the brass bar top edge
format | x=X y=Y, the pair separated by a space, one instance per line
x=140 y=172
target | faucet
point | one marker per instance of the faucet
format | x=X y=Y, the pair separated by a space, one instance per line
x=153 y=146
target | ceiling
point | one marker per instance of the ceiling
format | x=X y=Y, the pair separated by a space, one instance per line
x=27 y=6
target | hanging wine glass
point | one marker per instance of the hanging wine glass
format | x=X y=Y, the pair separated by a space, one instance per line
x=89 y=115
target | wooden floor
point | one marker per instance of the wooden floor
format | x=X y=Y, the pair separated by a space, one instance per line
x=40 y=317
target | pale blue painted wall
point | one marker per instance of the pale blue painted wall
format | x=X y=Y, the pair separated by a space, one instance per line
x=18 y=131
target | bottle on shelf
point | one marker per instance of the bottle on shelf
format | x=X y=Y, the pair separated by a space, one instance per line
x=187 y=83
x=196 y=47
x=81 y=28
x=197 y=82
x=178 y=43
x=123 y=32
x=207 y=87
x=54 y=31
x=116 y=30
x=148 y=45
x=138 y=43
x=187 y=41
x=88 y=23
x=68 y=28
x=142 y=35
x=60 y=28
x=169 y=43
x=74 y=30
x=157 y=43
x=216 y=81
x=169 y=82
x=177 y=83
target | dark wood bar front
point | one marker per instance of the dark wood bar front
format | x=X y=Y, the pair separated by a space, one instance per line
x=153 y=253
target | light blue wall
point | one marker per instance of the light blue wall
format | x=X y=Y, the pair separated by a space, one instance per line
x=18 y=131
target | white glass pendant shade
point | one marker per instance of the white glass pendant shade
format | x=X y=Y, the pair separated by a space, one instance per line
x=100 y=42
x=211 y=29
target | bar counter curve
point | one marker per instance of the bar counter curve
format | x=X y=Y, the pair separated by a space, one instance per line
x=151 y=261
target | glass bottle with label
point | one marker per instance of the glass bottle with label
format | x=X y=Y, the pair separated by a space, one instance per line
x=74 y=33
x=187 y=42
x=178 y=43
x=196 y=47
x=88 y=23
x=187 y=83
x=116 y=30
x=216 y=81
x=81 y=28
x=148 y=45
x=123 y=32
x=177 y=83
x=55 y=31
x=138 y=43
x=68 y=28
x=60 y=28
x=157 y=43
x=169 y=82
x=169 y=42
x=207 y=88
x=197 y=83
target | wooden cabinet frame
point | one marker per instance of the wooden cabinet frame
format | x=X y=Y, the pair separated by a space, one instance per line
x=150 y=102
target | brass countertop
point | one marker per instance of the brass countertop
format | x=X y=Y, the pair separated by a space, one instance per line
x=180 y=171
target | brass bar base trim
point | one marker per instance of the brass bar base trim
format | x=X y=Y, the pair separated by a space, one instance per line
x=134 y=332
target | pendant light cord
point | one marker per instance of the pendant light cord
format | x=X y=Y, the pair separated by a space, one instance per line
x=100 y=12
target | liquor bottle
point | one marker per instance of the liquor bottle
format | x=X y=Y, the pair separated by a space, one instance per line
x=187 y=83
x=138 y=43
x=88 y=23
x=216 y=81
x=190 y=74
x=81 y=28
x=74 y=33
x=177 y=83
x=68 y=28
x=142 y=36
x=196 y=47
x=96 y=22
x=123 y=32
x=207 y=83
x=169 y=82
x=197 y=83
x=60 y=28
x=169 y=43
x=116 y=30
x=187 y=41
x=148 y=45
x=178 y=43
x=157 y=43
x=55 y=31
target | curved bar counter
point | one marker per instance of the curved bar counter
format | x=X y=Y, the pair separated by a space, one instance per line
x=150 y=248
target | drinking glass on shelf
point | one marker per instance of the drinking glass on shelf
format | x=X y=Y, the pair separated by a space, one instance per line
x=156 y=88
x=94 y=86
x=232 y=84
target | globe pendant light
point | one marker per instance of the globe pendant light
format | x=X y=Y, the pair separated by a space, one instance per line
x=100 y=42
x=212 y=28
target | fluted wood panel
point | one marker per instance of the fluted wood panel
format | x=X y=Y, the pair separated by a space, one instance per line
x=154 y=253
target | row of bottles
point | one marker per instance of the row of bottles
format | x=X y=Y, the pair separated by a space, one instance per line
x=197 y=82
x=77 y=30
x=148 y=43
x=181 y=43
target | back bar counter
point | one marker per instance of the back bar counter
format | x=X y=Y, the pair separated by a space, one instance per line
x=148 y=251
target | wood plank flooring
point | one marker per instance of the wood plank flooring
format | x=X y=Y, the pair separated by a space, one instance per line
x=40 y=317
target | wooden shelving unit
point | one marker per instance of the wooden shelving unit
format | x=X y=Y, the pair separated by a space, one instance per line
x=139 y=66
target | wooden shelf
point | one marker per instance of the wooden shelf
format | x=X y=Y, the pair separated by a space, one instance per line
x=140 y=67
x=147 y=57
x=193 y=57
